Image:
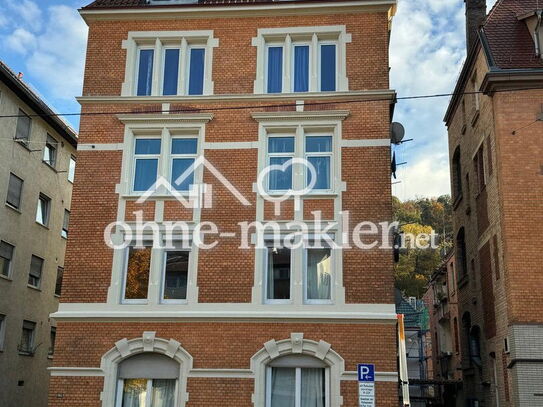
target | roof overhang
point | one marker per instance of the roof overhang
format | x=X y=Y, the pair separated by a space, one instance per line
x=302 y=7
x=497 y=80
x=35 y=103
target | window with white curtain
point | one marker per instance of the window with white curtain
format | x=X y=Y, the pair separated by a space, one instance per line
x=297 y=381
x=147 y=380
x=318 y=275
x=301 y=59
x=278 y=274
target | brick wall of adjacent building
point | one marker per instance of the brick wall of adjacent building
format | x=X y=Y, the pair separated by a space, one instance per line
x=499 y=290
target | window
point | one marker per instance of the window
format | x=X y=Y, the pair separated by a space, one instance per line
x=297 y=381
x=26 y=345
x=318 y=152
x=23 y=127
x=479 y=168
x=457 y=175
x=278 y=280
x=147 y=380
x=461 y=259
x=174 y=63
x=6 y=258
x=183 y=154
x=2 y=331
x=65 y=224
x=301 y=59
x=58 y=283
x=53 y=337
x=43 y=210
x=138 y=264
x=175 y=276
x=196 y=72
x=475 y=346
x=145 y=71
x=50 y=151
x=147 y=154
x=36 y=266
x=280 y=151
x=15 y=189
x=71 y=169
x=318 y=275
x=476 y=97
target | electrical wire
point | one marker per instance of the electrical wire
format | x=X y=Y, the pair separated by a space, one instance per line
x=244 y=107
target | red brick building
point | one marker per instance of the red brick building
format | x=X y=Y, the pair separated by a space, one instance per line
x=245 y=85
x=494 y=123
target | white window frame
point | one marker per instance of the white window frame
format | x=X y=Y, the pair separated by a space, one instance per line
x=265 y=285
x=160 y=41
x=135 y=157
x=124 y=300
x=321 y=154
x=269 y=156
x=319 y=63
x=332 y=276
x=274 y=44
x=289 y=37
x=163 y=276
x=136 y=70
x=293 y=63
x=46 y=216
x=149 y=390
x=172 y=156
x=298 y=386
x=10 y=268
x=71 y=169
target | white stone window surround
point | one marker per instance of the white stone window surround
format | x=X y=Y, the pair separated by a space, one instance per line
x=298 y=272
x=166 y=127
x=159 y=41
x=311 y=35
x=155 y=291
x=125 y=348
x=297 y=345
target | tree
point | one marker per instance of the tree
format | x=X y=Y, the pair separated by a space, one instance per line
x=416 y=265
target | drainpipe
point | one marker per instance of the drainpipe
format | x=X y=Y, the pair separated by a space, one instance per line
x=536 y=33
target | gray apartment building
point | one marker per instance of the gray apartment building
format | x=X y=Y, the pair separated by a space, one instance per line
x=37 y=164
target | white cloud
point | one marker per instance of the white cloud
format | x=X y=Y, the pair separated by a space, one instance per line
x=28 y=12
x=59 y=57
x=21 y=41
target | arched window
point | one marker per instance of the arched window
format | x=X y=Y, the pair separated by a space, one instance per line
x=297 y=380
x=456 y=175
x=147 y=380
x=461 y=255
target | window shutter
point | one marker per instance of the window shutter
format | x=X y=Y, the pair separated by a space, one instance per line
x=14 y=190
x=35 y=267
x=23 y=126
x=6 y=250
x=149 y=366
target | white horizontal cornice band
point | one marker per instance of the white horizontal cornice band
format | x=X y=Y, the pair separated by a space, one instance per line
x=379 y=94
x=382 y=142
x=150 y=13
x=208 y=373
x=165 y=118
x=308 y=115
x=360 y=313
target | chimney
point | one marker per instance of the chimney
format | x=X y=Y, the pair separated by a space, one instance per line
x=475 y=17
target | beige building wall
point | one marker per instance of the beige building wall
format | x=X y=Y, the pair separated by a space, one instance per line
x=25 y=377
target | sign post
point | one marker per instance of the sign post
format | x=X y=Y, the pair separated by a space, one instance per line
x=366 y=385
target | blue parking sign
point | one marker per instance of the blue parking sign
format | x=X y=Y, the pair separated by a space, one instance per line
x=366 y=372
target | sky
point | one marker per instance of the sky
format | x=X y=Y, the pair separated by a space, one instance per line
x=46 y=41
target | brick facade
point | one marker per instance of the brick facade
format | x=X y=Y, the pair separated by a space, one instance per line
x=220 y=326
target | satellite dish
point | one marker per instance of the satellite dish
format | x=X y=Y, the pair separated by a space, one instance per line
x=397 y=133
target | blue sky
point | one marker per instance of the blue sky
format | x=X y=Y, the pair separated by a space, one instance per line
x=46 y=40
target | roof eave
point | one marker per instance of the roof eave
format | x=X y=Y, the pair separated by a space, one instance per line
x=37 y=105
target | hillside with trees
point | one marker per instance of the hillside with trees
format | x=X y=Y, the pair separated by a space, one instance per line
x=416 y=216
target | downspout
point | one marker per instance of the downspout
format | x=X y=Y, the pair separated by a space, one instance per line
x=536 y=33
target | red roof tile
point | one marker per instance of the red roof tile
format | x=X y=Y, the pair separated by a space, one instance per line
x=145 y=3
x=509 y=40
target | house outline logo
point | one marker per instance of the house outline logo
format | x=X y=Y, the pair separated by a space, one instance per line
x=199 y=195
